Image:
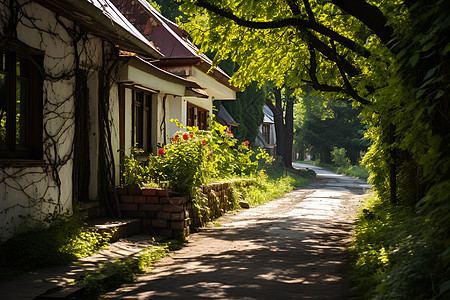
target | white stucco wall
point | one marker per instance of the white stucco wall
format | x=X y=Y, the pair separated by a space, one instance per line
x=177 y=111
x=28 y=190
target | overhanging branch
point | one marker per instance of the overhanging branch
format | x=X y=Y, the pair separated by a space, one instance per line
x=292 y=21
x=349 y=90
x=314 y=82
x=369 y=15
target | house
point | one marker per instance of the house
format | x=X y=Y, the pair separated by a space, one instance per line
x=57 y=93
x=79 y=86
x=266 y=137
x=183 y=59
x=224 y=118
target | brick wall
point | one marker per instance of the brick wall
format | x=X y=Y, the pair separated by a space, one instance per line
x=167 y=213
x=161 y=211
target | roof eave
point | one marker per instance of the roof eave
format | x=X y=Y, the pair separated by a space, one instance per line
x=92 y=18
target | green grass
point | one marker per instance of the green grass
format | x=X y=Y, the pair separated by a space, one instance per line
x=121 y=271
x=393 y=255
x=278 y=182
x=61 y=240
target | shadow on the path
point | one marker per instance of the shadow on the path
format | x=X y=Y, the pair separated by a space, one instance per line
x=290 y=258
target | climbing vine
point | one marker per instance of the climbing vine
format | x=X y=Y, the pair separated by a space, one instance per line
x=72 y=57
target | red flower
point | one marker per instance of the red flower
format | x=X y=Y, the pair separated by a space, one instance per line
x=230 y=133
x=185 y=136
x=246 y=143
x=161 y=151
x=204 y=143
x=175 y=138
x=191 y=134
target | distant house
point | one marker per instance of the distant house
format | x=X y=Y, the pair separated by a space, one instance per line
x=79 y=86
x=183 y=59
x=266 y=137
x=224 y=118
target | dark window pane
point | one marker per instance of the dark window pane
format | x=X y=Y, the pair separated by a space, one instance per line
x=21 y=112
x=147 y=124
x=3 y=101
x=138 y=120
x=22 y=67
x=2 y=60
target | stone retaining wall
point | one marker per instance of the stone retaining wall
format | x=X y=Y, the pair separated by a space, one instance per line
x=217 y=197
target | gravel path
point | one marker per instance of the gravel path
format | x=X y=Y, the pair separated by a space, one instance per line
x=290 y=248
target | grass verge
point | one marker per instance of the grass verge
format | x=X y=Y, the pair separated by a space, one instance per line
x=278 y=182
x=394 y=256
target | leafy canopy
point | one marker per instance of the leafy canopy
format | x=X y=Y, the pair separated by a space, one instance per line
x=286 y=42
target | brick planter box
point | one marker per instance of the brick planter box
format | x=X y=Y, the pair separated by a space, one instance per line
x=167 y=213
x=162 y=211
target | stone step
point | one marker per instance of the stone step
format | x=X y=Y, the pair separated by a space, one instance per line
x=122 y=228
x=62 y=287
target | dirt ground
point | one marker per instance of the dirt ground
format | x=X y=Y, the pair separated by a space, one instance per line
x=290 y=248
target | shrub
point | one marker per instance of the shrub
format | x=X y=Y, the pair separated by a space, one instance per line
x=395 y=255
x=339 y=158
x=195 y=157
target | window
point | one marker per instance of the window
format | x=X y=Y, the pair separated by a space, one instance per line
x=142 y=102
x=266 y=132
x=20 y=103
x=197 y=116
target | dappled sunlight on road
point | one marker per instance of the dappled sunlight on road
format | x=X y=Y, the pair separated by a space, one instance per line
x=290 y=248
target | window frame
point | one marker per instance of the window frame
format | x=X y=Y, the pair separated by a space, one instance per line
x=266 y=132
x=33 y=123
x=143 y=110
x=197 y=116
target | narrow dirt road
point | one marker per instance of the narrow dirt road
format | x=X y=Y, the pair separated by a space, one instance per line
x=290 y=248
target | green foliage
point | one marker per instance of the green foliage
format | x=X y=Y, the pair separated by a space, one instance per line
x=265 y=189
x=395 y=255
x=247 y=110
x=169 y=9
x=61 y=238
x=114 y=274
x=322 y=125
x=406 y=81
x=360 y=172
x=134 y=172
x=193 y=158
x=339 y=157
x=182 y=163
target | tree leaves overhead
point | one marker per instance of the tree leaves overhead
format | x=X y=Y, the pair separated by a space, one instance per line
x=294 y=41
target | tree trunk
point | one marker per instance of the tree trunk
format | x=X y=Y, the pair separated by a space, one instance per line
x=284 y=126
x=392 y=166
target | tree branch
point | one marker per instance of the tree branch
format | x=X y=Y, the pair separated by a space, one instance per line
x=292 y=21
x=349 y=89
x=312 y=74
x=329 y=88
x=369 y=15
